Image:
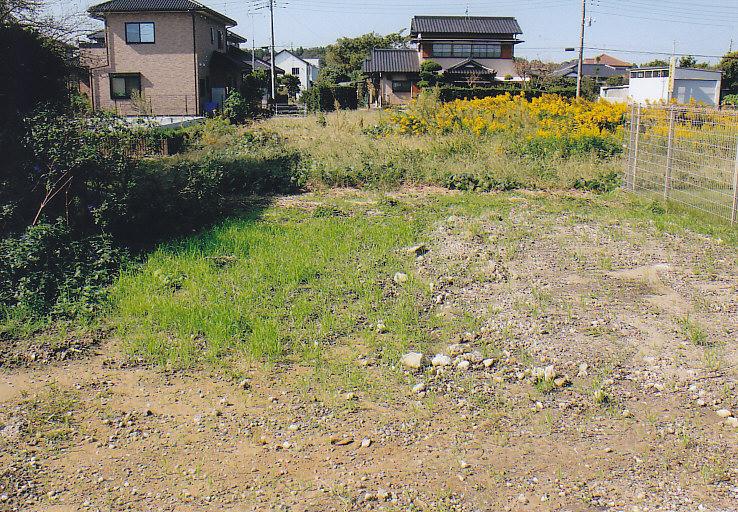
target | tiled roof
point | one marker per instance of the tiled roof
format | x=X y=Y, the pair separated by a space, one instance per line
x=156 y=6
x=608 y=60
x=464 y=25
x=396 y=61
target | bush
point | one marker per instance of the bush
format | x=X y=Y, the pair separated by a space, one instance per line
x=606 y=182
x=50 y=270
x=235 y=108
x=325 y=98
x=482 y=183
x=469 y=93
x=601 y=146
x=731 y=99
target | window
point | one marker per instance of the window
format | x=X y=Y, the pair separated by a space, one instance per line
x=296 y=71
x=212 y=35
x=123 y=85
x=441 y=50
x=220 y=39
x=401 y=86
x=140 y=33
x=467 y=50
x=461 y=50
x=486 y=51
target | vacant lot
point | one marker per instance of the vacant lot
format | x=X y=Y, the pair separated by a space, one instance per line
x=257 y=366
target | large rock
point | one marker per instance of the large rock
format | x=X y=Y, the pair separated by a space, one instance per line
x=458 y=349
x=413 y=360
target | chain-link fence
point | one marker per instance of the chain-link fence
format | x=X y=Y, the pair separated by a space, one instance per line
x=684 y=154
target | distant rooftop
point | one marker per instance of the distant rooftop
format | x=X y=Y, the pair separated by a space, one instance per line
x=608 y=60
x=112 y=6
x=464 y=25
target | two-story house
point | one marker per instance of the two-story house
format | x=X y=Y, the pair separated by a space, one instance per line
x=476 y=50
x=160 y=57
x=306 y=69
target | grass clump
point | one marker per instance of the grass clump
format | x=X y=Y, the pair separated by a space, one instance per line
x=694 y=332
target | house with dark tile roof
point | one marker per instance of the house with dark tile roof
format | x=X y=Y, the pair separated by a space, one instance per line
x=599 y=68
x=471 y=50
x=161 y=57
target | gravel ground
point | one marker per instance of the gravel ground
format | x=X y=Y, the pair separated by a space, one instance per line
x=599 y=373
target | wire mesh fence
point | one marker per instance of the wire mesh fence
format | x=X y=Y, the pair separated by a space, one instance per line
x=684 y=154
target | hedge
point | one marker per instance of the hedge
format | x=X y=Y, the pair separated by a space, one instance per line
x=323 y=97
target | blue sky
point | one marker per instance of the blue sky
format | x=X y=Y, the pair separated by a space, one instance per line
x=694 y=26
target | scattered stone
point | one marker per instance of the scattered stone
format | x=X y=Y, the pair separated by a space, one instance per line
x=366 y=442
x=350 y=396
x=562 y=382
x=413 y=360
x=627 y=414
x=732 y=422
x=583 y=370
x=463 y=365
x=419 y=388
x=441 y=360
x=341 y=440
x=549 y=373
x=381 y=328
x=474 y=357
x=400 y=278
x=458 y=349
x=522 y=499
x=700 y=402
x=724 y=413
x=244 y=384
x=488 y=363
x=382 y=494
x=464 y=464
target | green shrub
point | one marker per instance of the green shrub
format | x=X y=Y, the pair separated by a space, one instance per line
x=50 y=270
x=235 y=108
x=478 y=183
x=606 y=182
x=326 y=98
x=601 y=146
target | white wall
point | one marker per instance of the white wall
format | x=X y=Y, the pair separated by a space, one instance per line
x=649 y=89
x=306 y=72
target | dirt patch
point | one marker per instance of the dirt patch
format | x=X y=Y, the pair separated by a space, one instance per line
x=627 y=421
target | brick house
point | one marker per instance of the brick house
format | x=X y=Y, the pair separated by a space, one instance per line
x=161 y=57
x=476 y=50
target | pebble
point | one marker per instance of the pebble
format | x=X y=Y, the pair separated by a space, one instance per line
x=350 y=396
x=724 y=413
x=457 y=349
x=400 y=277
x=464 y=464
x=463 y=365
x=419 y=387
x=488 y=363
x=522 y=499
x=732 y=422
x=700 y=402
x=441 y=360
x=413 y=360
x=366 y=442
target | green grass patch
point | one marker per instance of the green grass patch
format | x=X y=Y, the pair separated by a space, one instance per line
x=285 y=281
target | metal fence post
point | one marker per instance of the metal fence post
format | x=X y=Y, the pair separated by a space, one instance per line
x=734 y=211
x=635 y=146
x=669 y=153
x=629 y=162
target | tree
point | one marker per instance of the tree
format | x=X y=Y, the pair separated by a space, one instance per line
x=687 y=61
x=253 y=89
x=291 y=84
x=657 y=63
x=344 y=58
x=429 y=74
x=729 y=66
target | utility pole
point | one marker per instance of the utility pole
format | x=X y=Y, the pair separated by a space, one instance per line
x=274 y=74
x=580 y=67
x=253 y=44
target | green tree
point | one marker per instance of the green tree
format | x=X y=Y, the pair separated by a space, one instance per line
x=429 y=74
x=657 y=63
x=290 y=83
x=235 y=108
x=729 y=66
x=687 y=61
x=344 y=58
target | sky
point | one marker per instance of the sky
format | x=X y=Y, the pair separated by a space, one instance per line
x=628 y=29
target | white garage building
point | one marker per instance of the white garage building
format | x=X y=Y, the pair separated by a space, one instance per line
x=655 y=85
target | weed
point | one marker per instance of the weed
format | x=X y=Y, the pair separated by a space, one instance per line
x=694 y=332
